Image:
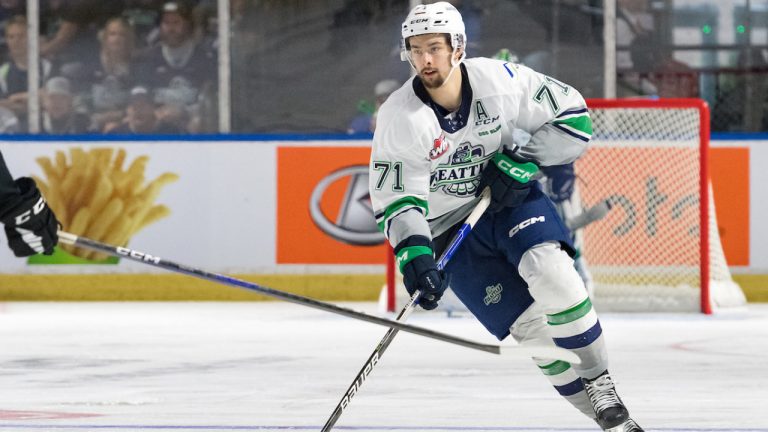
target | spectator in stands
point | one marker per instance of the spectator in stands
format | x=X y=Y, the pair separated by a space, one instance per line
x=674 y=79
x=205 y=16
x=141 y=116
x=144 y=16
x=176 y=116
x=75 y=35
x=741 y=104
x=13 y=73
x=11 y=8
x=365 y=122
x=178 y=68
x=633 y=21
x=648 y=65
x=107 y=76
x=9 y=123
x=8 y=10
x=59 y=115
x=635 y=37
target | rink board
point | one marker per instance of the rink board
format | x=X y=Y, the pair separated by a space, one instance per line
x=281 y=208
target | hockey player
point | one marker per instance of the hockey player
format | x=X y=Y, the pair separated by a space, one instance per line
x=30 y=225
x=454 y=129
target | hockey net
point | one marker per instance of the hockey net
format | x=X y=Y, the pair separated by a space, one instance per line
x=658 y=248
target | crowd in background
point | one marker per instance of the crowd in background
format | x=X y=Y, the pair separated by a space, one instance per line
x=117 y=66
x=697 y=49
x=319 y=66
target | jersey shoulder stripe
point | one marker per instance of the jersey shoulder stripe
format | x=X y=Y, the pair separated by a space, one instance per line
x=575 y=122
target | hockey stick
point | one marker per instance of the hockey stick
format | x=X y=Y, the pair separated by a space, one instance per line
x=134 y=255
x=410 y=305
x=592 y=214
x=527 y=350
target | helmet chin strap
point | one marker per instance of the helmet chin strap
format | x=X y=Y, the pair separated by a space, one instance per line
x=454 y=65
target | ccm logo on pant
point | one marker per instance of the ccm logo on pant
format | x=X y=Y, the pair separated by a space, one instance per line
x=524 y=224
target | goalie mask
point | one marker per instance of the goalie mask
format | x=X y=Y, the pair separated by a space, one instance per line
x=440 y=17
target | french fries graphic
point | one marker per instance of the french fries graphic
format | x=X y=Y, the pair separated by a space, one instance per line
x=94 y=196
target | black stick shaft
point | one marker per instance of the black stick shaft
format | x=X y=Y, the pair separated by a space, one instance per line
x=155 y=261
x=367 y=368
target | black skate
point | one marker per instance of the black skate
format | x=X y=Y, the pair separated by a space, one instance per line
x=610 y=412
x=631 y=426
x=627 y=426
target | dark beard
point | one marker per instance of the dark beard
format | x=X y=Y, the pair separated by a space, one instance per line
x=433 y=84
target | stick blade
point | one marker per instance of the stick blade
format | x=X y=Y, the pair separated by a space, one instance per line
x=539 y=349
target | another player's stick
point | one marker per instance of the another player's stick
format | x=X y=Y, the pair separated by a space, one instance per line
x=527 y=350
x=592 y=214
x=145 y=258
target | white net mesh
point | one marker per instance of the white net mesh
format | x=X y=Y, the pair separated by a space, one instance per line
x=645 y=255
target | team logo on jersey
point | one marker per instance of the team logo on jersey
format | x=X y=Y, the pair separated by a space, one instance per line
x=461 y=175
x=492 y=294
x=439 y=147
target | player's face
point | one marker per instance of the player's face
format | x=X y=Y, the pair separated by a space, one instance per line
x=431 y=55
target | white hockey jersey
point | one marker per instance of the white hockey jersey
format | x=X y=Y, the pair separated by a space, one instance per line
x=426 y=160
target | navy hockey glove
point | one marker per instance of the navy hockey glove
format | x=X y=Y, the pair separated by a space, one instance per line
x=30 y=225
x=560 y=181
x=417 y=264
x=510 y=178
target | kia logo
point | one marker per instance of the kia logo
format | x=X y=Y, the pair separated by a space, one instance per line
x=355 y=223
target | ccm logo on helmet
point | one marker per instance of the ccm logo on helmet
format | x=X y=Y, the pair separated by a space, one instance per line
x=525 y=224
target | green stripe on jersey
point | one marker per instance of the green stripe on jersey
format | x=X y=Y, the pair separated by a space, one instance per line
x=395 y=207
x=580 y=123
x=555 y=368
x=571 y=314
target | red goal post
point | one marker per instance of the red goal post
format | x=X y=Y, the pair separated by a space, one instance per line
x=658 y=249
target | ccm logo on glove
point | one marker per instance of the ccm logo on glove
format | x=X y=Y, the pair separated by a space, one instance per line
x=514 y=171
x=27 y=215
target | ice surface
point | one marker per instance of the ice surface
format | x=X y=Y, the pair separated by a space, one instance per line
x=274 y=367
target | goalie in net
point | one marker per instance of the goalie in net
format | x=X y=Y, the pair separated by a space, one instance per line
x=459 y=126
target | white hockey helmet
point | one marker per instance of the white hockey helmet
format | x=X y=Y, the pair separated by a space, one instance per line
x=440 y=17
